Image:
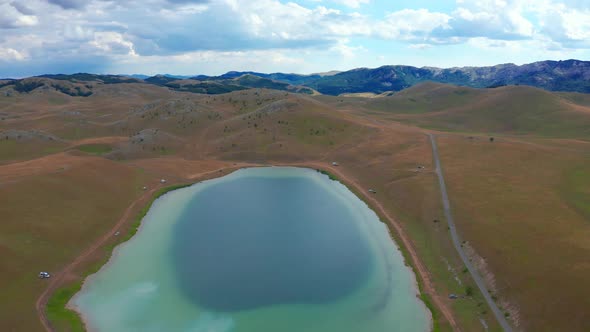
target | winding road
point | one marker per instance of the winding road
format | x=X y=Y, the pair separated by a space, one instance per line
x=457 y=243
x=421 y=270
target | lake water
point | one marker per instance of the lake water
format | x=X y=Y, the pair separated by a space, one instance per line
x=262 y=249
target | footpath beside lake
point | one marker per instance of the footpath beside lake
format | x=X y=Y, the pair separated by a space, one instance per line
x=262 y=249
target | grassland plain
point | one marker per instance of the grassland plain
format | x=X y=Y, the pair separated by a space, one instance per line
x=523 y=207
x=47 y=218
x=411 y=195
x=57 y=204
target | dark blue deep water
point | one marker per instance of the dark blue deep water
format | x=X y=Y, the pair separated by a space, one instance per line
x=263 y=241
x=275 y=249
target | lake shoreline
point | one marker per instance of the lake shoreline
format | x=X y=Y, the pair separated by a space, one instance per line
x=58 y=284
x=351 y=185
x=134 y=231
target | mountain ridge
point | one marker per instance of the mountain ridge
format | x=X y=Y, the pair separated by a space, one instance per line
x=563 y=76
x=567 y=75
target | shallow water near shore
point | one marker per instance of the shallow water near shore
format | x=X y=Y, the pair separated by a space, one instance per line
x=262 y=249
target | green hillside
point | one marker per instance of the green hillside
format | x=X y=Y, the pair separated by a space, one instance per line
x=509 y=110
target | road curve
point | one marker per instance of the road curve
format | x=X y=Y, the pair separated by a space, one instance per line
x=474 y=274
x=58 y=278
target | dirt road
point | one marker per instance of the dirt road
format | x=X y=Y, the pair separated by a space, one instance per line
x=59 y=277
x=457 y=243
x=419 y=267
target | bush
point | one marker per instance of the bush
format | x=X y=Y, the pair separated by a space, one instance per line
x=330 y=175
x=22 y=86
x=98 y=149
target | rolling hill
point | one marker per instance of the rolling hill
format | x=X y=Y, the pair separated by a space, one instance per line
x=569 y=75
x=77 y=150
x=564 y=76
x=514 y=110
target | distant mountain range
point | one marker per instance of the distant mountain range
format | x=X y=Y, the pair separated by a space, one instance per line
x=569 y=75
x=295 y=79
x=231 y=81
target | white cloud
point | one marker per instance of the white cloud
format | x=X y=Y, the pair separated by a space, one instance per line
x=551 y=22
x=214 y=62
x=152 y=30
x=576 y=24
x=344 y=49
x=15 y=16
x=566 y=25
x=113 y=43
x=7 y=54
x=497 y=19
x=20 y=48
x=420 y=46
x=77 y=32
x=410 y=24
x=272 y=19
x=352 y=3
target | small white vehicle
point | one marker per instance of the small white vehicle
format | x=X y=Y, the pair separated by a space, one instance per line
x=44 y=275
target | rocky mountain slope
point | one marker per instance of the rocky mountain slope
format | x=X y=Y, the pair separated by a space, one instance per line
x=570 y=75
x=567 y=76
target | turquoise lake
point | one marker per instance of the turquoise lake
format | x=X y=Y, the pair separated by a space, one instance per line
x=262 y=249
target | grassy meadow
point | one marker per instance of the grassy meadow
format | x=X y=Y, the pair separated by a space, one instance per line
x=520 y=202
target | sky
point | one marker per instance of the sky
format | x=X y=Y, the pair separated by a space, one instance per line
x=189 y=37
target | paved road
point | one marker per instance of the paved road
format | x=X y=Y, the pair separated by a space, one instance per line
x=457 y=243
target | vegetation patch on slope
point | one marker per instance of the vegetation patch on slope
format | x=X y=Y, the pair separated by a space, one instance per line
x=98 y=149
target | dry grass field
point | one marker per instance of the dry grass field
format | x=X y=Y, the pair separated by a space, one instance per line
x=72 y=168
x=523 y=207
